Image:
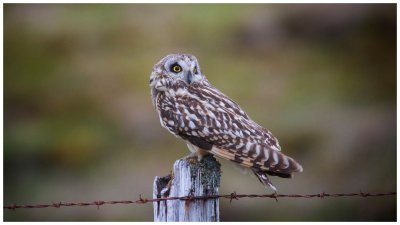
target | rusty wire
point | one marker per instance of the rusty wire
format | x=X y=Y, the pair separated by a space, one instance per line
x=191 y=198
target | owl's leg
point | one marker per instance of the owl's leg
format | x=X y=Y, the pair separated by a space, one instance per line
x=191 y=158
x=196 y=153
x=262 y=176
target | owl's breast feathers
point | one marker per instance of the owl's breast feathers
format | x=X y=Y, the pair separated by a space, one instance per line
x=208 y=119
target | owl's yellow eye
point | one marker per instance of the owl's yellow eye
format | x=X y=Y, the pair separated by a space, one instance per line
x=195 y=70
x=176 y=68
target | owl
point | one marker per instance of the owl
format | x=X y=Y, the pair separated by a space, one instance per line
x=210 y=122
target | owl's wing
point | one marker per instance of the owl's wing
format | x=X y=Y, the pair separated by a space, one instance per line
x=217 y=124
x=233 y=111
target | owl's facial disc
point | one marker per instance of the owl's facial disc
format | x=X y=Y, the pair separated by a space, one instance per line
x=184 y=68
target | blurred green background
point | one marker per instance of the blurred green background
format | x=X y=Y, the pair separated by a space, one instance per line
x=79 y=124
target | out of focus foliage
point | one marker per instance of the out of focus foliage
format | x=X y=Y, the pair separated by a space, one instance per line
x=79 y=124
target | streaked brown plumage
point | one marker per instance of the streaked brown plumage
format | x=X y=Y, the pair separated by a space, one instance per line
x=210 y=122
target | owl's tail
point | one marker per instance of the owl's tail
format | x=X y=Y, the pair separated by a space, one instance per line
x=279 y=165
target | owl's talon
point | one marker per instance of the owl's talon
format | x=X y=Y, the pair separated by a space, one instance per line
x=192 y=158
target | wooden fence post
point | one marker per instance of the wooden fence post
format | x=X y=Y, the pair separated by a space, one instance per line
x=189 y=178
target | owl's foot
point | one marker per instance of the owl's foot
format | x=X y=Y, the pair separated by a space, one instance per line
x=193 y=158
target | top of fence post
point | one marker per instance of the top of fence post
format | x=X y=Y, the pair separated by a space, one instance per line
x=189 y=178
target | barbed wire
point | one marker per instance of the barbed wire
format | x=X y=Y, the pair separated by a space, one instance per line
x=232 y=196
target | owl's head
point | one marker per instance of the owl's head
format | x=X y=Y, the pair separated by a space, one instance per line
x=176 y=68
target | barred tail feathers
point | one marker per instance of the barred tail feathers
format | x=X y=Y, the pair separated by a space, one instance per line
x=270 y=161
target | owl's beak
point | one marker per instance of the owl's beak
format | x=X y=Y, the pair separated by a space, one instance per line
x=189 y=77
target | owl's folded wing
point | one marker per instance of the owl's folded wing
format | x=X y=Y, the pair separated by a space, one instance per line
x=226 y=135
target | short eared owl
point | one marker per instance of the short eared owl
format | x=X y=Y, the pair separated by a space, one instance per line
x=210 y=122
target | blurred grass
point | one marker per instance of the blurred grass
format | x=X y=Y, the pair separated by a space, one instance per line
x=79 y=124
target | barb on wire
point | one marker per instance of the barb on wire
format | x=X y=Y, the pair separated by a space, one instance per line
x=231 y=196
